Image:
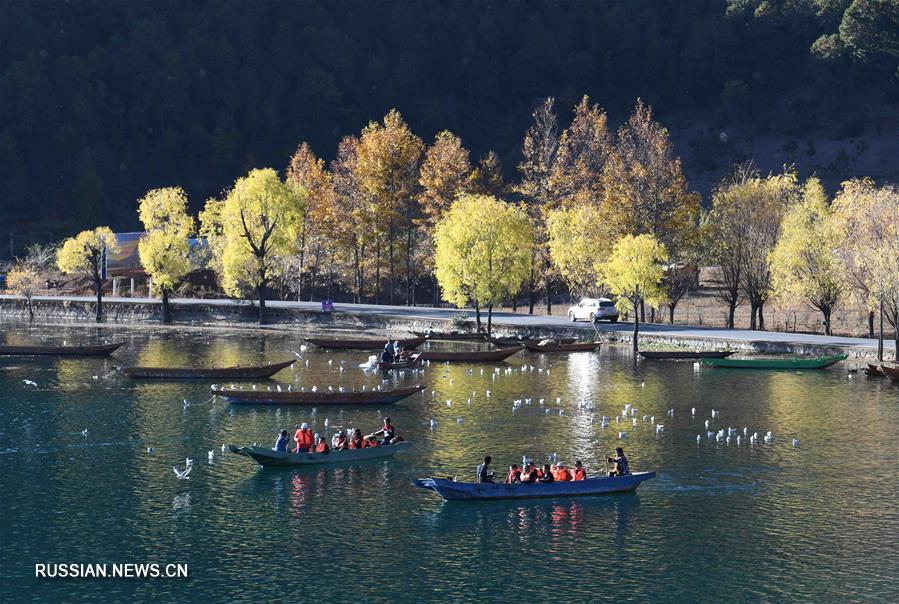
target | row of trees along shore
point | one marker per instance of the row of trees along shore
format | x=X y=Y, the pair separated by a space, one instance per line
x=595 y=211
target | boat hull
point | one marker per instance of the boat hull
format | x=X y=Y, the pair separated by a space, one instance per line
x=451 y=337
x=583 y=347
x=61 y=351
x=481 y=356
x=399 y=366
x=235 y=373
x=451 y=490
x=874 y=371
x=266 y=397
x=268 y=458
x=408 y=343
x=891 y=372
x=686 y=354
x=791 y=363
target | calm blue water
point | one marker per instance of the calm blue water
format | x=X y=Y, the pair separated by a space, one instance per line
x=746 y=524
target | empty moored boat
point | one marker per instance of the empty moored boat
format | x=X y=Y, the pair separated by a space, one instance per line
x=451 y=490
x=523 y=341
x=685 y=354
x=271 y=458
x=476 y=356
x=561 y=347
x=452 y=336
x=318 y=398
x=778 y=363
x=234 y=373
x=364 y=344
x=94 y=350
x=874 y=371
x=891 y=372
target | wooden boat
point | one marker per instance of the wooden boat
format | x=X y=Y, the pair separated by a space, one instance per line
x=238 y=372
x=556 y=347
x=685 y=354
x=95 y=350
x=476 y=356
x=874 y=371
x=452 y=490
x=270 y=458
x=358 y=344
x=400 y=365
x=319 y=398
x=778 y=363
x=891 y=372
x=524 y=341
x=452 y=336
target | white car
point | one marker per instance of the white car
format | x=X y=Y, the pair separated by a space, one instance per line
x=593 y=310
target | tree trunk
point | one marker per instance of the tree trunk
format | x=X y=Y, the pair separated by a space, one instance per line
x=489 y=318
x=752 y=315
x=880 y=337
x=638 y=306
x=98 y=288
x=532 y=299
x=166 y=311
x=671 y=307
x=642 y=311
x=378 y=273
x=514 y=303
x=761 y=316
x=261 y=289
x=731 y=310
x=826 y=312
x=477 y=316
x=31 y=313
x=871 y=324
x=549 y=298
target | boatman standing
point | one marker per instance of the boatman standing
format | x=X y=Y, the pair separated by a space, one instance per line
x=304 y=438
x=484 y=473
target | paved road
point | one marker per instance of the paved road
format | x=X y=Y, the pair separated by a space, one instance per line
x=524 y=320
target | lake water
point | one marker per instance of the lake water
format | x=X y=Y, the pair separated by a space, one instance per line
x=764 y=523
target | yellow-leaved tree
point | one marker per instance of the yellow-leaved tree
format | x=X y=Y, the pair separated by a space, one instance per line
x=255 y=224
x=164 y=251
x=483 y=252
x=867 y=223
x=84 y=254
x=23 y=280
x=803 y=263
x=634 y=273
x=579 y=241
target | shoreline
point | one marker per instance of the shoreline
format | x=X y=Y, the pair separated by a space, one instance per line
x=297 y=316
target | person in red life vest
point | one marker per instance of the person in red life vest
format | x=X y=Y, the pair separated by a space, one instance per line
x=387 y=432
x=529 y=473
x=514 y=476
x=547 y=474
x=561 y=474
x=579 y=472
x=320 y=445
x=356 y=441
x=342 y=443
x=304 y=438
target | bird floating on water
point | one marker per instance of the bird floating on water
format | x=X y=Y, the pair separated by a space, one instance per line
x=150 y=450
x=182 y=474
x=795 y=442
x=84 y=433
x=29 y=383
x=622 y=435
x=693 y=410
x=433 y=423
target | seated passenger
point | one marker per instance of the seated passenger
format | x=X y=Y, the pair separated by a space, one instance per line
x=579 y=472
x=387 y=432
x=561 y=474
x=514 y=476
x=546 y=475
x=282 y=442
x=342 y=444
x=320 y=445
x=529 y=473
x=622 y=468
x=356 y=441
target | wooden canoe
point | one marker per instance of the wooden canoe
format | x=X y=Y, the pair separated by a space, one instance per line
x=525 y=341
x=408 y=343
x=475 y=356
x=410 y=364
x=452 y=336
x=95 y=350
x=778 y=363
x=319 y=398
x=236 y=373
x=685 y=354
x=874 y=371
x=891 y=372
x=451 y=490
x=574 y=347
x=269 y=458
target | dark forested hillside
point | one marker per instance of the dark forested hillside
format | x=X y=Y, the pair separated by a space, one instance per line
x=103 y=100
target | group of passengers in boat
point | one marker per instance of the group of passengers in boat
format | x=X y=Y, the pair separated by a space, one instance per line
x=394 y=352
x=309 y=442
x=529 y=473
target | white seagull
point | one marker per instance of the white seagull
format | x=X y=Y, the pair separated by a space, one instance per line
x=182 y=474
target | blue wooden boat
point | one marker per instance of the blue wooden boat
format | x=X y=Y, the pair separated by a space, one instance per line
x=452 y=490
x=271 y=458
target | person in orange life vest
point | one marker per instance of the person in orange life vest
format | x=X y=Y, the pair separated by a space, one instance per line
x=579 y=472
x=562 y=473
x=529 y=473
x=387 y=431
x=514 y=474
x=320 y=445
x=356 y=439
x=304 y=438
x=342 y=443
x=547 y=474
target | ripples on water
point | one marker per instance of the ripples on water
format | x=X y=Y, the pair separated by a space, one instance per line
x=764 y=523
